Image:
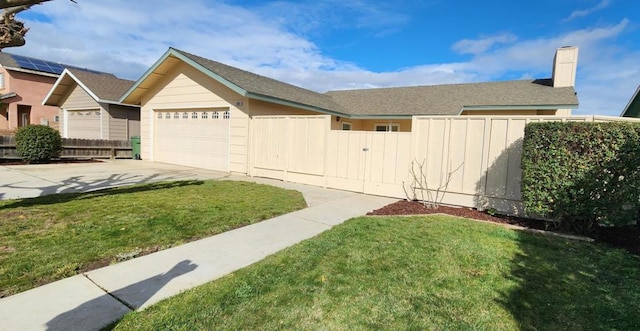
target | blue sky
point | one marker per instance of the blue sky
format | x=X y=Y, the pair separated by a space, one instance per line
x=326 y=45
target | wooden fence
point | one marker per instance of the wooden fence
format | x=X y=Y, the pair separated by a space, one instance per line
x=471 y=161
x=76 y=148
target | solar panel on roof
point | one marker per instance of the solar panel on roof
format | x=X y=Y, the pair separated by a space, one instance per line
x=30 y=63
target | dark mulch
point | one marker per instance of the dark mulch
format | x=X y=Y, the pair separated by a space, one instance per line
x=622 y=237
x=6 y=162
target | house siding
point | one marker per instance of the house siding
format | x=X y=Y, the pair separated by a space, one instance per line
x=184 y=87
x=124 y=122
x=31 y=90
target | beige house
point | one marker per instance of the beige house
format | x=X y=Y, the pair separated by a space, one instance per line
x=201 y=113
x=89 y=107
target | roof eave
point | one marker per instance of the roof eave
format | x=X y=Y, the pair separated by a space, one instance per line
x=294 y=104
x=183 y=58
x=521 y=107
x=46 y=102
x=34 y=72
x=381 y=116
x=631 y=101
x=117 y=103
x=145 y=76
x=75 y=79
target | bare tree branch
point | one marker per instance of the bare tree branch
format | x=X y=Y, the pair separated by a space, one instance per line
x=12 y=31
x=19 y=3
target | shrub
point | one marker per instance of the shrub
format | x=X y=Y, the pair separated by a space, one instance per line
x=38 y=143
x=582 y=174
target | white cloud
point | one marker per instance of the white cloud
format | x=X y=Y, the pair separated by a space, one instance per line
x=469 y=46
x=586 y=12
x=126 y=37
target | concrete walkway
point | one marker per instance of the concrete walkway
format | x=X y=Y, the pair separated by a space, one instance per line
x=97 y=298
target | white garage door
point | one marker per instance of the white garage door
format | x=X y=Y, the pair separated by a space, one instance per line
x=192 y=138
x=84 y=124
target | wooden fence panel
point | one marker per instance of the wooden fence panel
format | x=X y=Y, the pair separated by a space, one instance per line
x=477 y=158
x=76 y=148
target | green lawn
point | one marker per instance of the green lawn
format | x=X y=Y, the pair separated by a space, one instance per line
x=52 y=237
x=419 y=273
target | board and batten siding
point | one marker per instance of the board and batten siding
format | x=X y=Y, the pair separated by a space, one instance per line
x=123 y=122
x=185 y=87
x=471 y=161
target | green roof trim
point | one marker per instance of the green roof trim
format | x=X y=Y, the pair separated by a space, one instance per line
x=293 y=104
x=633 y=107
x=520 y=107
x=208 y=72
x=145 y=75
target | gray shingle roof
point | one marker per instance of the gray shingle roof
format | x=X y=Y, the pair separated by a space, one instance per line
x=105 y=86
x=7 y=61
x=264 y=86
x=450 y=99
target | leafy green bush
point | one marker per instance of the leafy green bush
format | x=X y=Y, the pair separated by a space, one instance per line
x=38 y=143
x=582 y=174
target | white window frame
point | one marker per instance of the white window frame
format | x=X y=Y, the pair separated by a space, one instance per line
x=389 y=127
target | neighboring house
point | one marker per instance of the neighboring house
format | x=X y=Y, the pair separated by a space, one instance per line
x=89 y=106
x=24 y=81
x=633 y=107
x=198 y=112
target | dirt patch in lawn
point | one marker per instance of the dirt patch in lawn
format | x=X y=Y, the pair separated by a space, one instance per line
x=627 y=238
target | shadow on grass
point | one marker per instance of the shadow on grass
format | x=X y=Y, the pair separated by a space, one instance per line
x=570 y=285
x=98 y=191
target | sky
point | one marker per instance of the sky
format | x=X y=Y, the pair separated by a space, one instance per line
x=349 y=44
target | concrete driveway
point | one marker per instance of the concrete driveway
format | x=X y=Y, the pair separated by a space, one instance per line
x=28 y=181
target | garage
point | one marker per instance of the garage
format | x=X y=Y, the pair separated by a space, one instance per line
x=194 y=138
x=83 y=124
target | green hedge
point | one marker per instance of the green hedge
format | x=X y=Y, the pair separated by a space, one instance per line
x=582 y=174
x=38 y=143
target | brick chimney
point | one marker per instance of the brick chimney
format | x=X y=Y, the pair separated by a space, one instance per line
x=565 y=64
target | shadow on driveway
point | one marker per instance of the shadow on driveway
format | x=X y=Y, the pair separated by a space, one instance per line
x=95 y=189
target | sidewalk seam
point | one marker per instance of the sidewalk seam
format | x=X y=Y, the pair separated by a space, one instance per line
x=124 y=303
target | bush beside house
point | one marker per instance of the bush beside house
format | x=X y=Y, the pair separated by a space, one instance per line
x=582 y=174
x=38 y=143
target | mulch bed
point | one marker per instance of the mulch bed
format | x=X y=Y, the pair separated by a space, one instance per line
x=6 y=162
x=623 y=237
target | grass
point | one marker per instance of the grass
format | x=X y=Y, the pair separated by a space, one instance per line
x=420 y=273
x=52 y=237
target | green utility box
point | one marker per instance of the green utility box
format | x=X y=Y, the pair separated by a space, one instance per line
x=135 y=148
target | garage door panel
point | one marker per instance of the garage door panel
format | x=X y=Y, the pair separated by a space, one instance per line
x=196 y=142
x=84 y=124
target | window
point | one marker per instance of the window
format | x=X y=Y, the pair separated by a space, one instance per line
x=176 y=116
x=205 y=115
x=227 y=115
x=215 y=115
x=392 y=127
x=194 y=115
x=159 y=115
x=167 y=115
x=56 y=118
x=346 y=126
x=185 y=115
